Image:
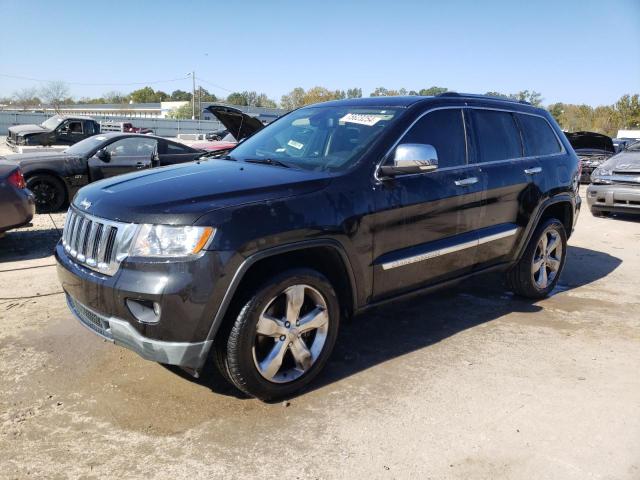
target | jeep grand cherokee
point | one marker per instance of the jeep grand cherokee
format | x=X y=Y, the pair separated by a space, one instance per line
x=251 y=261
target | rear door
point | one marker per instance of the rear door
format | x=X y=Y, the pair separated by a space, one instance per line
x=171 y=153
x=126 y=155
x=425 y=223
x=508 y=191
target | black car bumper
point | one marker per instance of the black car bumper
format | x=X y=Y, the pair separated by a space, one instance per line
x=184 y=293
x=614 y=198
x=18 y=208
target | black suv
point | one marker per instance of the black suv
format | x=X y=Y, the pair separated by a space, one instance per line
x=252 y=260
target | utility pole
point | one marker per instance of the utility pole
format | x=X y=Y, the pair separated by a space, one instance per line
x=193 y=98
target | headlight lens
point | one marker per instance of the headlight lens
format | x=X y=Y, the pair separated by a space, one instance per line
x=599 y=175
x=170 y=241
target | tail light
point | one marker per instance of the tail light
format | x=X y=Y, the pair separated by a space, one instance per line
x=17 y=179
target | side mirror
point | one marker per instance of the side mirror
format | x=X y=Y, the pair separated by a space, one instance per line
x=411 y=158
x=104 y=155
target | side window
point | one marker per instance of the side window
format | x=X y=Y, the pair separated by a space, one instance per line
x=132 y=146
x=444 y=129
x=173 y=149
x=496 y=135
x=75 y=127
x=89 y=128
x=538 y=136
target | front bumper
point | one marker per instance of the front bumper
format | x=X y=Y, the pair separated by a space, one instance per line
x=120 y=332
x=186 y=293
x=614 y=198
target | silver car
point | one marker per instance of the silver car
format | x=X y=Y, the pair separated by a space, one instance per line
x=615 y=185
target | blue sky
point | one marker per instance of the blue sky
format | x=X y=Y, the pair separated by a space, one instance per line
x=571 y=51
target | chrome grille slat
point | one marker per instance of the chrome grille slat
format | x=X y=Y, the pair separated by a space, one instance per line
x=96 y=243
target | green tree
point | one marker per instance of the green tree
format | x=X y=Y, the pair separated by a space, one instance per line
x=180 y=113
x=628 y=108
x=354 y=93
x=294 y=99
x=26 y=97
x=432 y=91
x=237 y=98
x=144 y=95
x=115 y=97
x=180 y=96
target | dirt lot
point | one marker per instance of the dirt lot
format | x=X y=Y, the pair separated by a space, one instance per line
x=467 y=383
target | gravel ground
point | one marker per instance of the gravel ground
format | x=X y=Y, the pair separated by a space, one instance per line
x=465 y=383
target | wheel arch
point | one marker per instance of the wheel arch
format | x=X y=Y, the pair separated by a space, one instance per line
x=325 y=255
x=52 y=173
x=560 y=207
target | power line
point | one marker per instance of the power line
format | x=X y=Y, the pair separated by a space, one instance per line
x=19 y=77
x=200 y=79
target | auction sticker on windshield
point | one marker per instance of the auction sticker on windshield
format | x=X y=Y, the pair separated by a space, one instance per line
x=364 y=119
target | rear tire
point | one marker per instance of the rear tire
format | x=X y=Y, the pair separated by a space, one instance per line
x=538 y=271
x=49 y=191
x=282 y=337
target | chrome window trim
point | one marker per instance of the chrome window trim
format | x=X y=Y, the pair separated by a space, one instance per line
x=428 y=255
x=385 y=157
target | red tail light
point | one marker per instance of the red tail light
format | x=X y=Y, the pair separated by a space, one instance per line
x=17 y=180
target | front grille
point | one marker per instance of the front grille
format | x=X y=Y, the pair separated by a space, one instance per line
x=96 y=243
x=89 y=318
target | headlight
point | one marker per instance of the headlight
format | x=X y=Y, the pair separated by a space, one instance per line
x=170 y=241
x=599 y=175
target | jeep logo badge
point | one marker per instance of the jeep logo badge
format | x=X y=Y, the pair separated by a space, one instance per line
x=85 y=204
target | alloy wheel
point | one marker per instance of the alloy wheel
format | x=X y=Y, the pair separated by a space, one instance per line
x=547 y=258
x=290 y=334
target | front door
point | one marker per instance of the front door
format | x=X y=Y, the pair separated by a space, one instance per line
x=126 y=155
x=425 y=225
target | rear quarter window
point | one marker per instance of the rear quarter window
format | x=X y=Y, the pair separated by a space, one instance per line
x=539 y=138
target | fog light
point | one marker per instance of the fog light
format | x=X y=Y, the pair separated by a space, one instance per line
x=144 y=311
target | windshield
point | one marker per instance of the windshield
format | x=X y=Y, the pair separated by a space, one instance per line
x=86 y=146
x=317 y=138
x=52 y=123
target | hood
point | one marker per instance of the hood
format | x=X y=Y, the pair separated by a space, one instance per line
x=590 y=141
x=624 y=162
x=180 y=194
x=27 y=159
x=25 y=129
x=239 y=124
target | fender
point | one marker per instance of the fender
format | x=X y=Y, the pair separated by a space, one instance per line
x=261 y=255
x=535 y=220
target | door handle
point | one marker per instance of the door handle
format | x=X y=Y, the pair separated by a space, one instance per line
x=466 y=181
x=532 y=171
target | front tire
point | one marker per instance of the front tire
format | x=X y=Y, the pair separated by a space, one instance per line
x=283 y=335
x=49 y=192
x=538 y=271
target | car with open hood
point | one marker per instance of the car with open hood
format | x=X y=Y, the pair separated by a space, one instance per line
x=592 y=150
x=238 y=126
x=57 y=130
x=615 y=184
x=55 y=177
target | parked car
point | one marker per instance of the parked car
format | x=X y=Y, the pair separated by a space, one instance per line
x=16 y=202
x=127 y=127
x=57 y=130
x=615 y=185
x=238 y=126
x=622 y=143
x=592 y=149
x=217 y=135
x=328 y=211
x=54 y=177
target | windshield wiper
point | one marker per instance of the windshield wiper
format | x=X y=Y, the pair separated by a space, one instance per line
x=268 y=161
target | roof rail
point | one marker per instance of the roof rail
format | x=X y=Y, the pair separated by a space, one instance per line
x=476 y=95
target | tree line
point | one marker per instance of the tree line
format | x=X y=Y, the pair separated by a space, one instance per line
x=607 y=119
